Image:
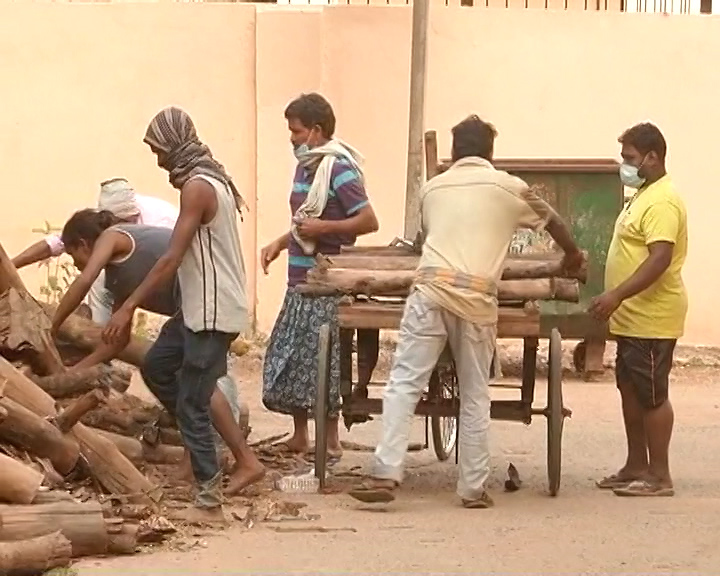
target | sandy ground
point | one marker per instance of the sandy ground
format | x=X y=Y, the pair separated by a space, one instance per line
x=582 y=531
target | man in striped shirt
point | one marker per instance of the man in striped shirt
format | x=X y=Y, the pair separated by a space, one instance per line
x=329 y=209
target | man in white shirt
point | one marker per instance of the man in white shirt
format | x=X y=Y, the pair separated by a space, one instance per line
x=117 y=196
x=469 y=215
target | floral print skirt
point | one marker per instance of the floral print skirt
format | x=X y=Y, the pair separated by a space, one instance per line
x=291 y=361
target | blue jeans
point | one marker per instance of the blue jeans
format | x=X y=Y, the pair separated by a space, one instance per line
x=182 y=369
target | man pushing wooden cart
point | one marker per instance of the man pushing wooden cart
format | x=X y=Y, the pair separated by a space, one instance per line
x=448 y=298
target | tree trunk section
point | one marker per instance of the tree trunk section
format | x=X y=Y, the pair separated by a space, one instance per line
x=48 y=355
x=398 y=283
x=108 y=465
x=35 y=556
x=123 y=539
x=514 y=268
x=86 y=334
x=72 y=414
x=139 y=452
x=81 y=523
x=75 y=382
x=30 y=432
x=19 y=483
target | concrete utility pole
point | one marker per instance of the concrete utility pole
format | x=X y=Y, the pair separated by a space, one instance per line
x=418 y=60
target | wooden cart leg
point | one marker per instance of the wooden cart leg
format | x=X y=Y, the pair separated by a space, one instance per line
x=346 y=372
x=321 y=403
x=529 y=368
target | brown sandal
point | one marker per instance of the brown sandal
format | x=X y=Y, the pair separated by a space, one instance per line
x=374 y=491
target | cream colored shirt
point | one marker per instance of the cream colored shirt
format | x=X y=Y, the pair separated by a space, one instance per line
x=469 y=216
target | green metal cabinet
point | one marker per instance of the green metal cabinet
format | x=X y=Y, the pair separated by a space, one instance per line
x=588 y=194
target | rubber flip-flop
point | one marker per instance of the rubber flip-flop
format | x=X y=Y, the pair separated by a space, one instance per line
x=642 y=488
x=613 y=482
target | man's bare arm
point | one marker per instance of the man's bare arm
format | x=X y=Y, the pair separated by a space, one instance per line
x=362 y=222
x=559 y=232
x=32 y=254
x=283 y=241
x=105 y=249
x=104 y=352
x=649 y=272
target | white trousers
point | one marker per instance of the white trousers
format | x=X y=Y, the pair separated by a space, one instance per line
x=425 y=329
x=101 y=300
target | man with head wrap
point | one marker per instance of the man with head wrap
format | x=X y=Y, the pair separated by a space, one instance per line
x=190 y=353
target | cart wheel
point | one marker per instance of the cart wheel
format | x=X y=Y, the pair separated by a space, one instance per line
x=579 y=357
x=444 y=429
x=554 y=412
x=321 y=403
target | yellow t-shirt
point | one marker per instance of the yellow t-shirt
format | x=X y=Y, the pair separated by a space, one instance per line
x=655 y=214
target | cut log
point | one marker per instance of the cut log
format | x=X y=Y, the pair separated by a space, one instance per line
x=398 y=283
x=35 y=556
x=50 y=496
x=19 y=483
x=512 y=322
x=48 y=355
x=72 y=414
x=108 y=465
x=28 y=431
x=139 y=452
x=80 y=522
x=122 y=414
x=120 y=379
x=514 y=268
x=170 y=436
x=113 y=470
x=377 y=250
x=86 y=334
x=124 y=541
x=74 y=382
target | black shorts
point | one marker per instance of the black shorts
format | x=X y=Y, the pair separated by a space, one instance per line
x=645 y=364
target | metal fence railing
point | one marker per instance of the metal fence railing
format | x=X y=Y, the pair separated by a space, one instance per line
x=659 y=6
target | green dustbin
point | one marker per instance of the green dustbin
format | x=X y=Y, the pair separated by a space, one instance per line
x=588 y=194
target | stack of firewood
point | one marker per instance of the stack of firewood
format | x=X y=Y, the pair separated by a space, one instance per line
x=72 y=444
x=389 y=271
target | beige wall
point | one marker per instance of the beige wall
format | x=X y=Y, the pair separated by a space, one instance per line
x=81 y=82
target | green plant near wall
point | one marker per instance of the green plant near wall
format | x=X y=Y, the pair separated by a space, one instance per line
x=59 y=272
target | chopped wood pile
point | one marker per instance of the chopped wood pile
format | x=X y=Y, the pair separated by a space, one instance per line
x=376 y=271
x=73 y=444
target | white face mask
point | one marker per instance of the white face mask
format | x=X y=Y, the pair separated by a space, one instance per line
x=629 y=176
x=300 y=151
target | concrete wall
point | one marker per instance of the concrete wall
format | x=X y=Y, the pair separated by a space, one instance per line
x=81 y=82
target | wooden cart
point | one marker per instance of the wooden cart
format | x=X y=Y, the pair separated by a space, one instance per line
x=367 y=316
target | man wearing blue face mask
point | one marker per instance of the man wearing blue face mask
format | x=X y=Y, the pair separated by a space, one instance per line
x=646 y=303
x=330 y=208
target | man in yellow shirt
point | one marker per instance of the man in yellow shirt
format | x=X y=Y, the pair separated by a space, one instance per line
x=469 y=215
x=646 y=304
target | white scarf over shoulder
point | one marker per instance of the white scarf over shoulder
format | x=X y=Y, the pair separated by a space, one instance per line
x=323 y=157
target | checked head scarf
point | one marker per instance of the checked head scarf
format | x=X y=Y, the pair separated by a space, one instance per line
x=173 y=133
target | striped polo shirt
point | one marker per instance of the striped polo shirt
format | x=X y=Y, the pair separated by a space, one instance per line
x=347 y=196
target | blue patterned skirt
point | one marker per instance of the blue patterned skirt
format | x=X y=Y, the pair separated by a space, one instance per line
x=291 y=360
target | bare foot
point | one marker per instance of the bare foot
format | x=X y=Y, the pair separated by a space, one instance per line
x=201 y=516
x=185 y=472
x=244 y=477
